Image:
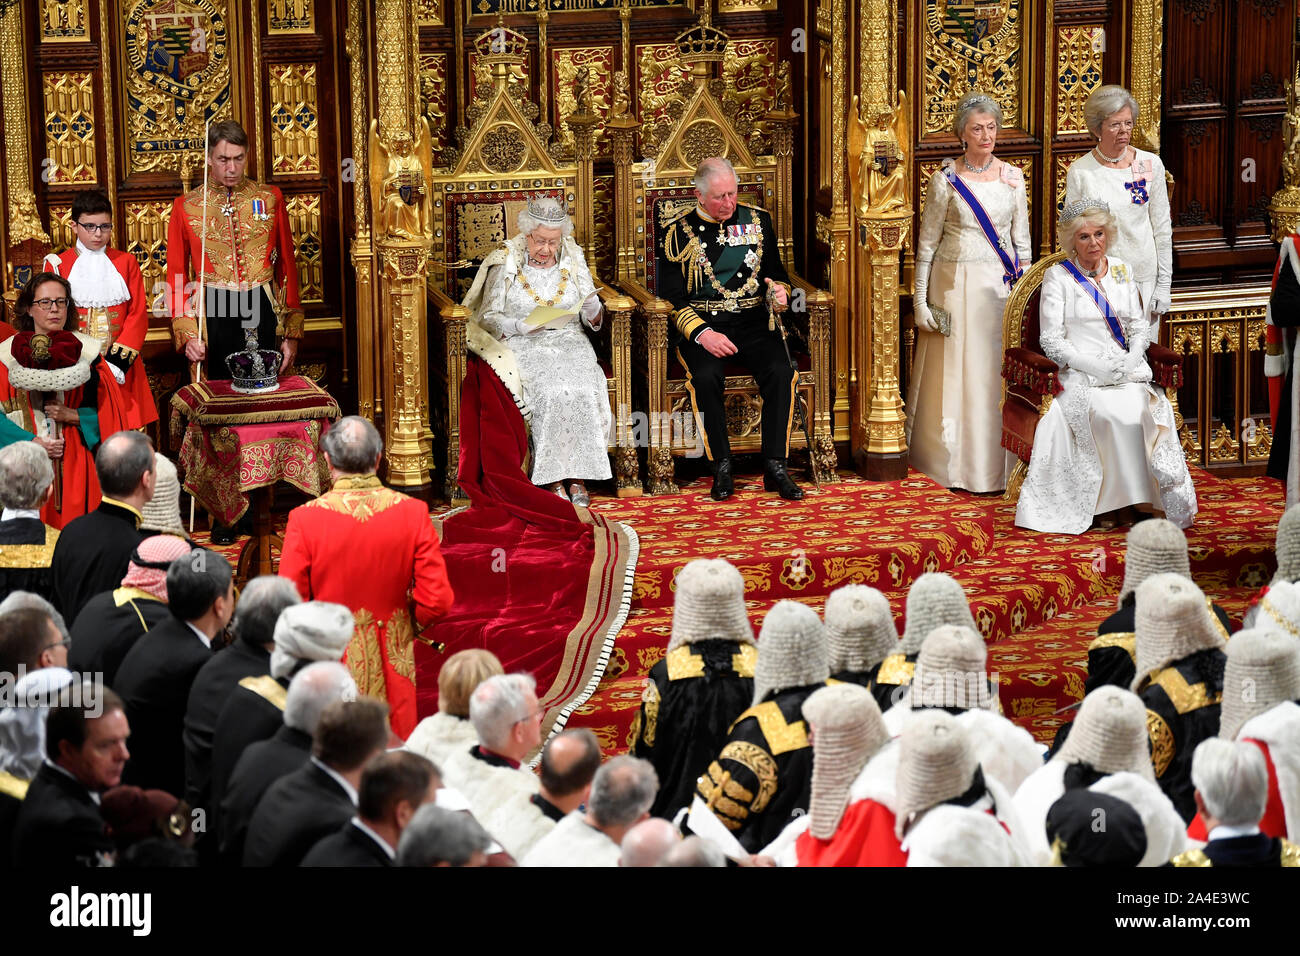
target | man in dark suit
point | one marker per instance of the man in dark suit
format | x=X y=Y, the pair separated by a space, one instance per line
x=253 y=626
x=156 y=675
x=393 y=786
x=314 y=688
x=26 y=482
x=93 y=551
x=1231 y=780
x=59 y=824
x=29 y=640
x=312 y=802
x=306 y=632
x=111 y=622
x=717 y=265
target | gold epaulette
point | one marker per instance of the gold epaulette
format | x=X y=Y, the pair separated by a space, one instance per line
x=1125 y=639
x=1184 y=696
x=683 y=663
x=29 y=555
x=1191 y=858
x=12 y=786
x=743 y=661
x=267 y=688
x=1290 y=853
x=895 y=669
x=781 y=735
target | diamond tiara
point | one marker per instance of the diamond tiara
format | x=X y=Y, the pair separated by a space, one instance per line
x=1077 y=208
x=544 y=214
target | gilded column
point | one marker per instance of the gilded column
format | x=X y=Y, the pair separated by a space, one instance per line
x=24 y=219
x=369 y=376
x=400 y=188
x=622 y=129
x=1144 y=66
x=882 y=200
x=841 y=224
x=583 y=126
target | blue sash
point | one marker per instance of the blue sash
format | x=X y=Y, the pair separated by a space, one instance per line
x=1099 y=299
x=1011 y=270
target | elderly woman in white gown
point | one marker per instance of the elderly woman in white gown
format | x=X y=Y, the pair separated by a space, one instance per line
x=1107 y=443
x=1132 y=181
x=552 y=369
x=972 y=246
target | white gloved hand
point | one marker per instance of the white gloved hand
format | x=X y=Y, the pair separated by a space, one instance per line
x=924 y=318
x=1134 y=358
x=1159 y=306
x=117 y=373
x=1105 y=371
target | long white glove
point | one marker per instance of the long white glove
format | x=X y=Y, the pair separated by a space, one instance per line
x=922 y=315
x=1159 y=306
x=1107 y=371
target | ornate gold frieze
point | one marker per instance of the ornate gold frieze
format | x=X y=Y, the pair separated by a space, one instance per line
x=433 y=101
x=295 y=137
x=305 y=223
x=146 y=238
x=565 y=64
x=492 y=7
x=1146 y=55
x=178 y=76
x=1078 y=73
x=63 y=21
x=24 y=222
x=603 y=220
x=1063 y=162
x=291 y=16
x=1026 y=166
x=429 y=13
x=61 y=236
x=747 y=88
x=477 y=75
x=70 y=126
x=971 y=45
x=745 y=6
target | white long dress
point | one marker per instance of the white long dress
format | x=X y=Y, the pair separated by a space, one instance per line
x=1100 y=447
x=1144 y=232
x=954 y=423
x=564 y=387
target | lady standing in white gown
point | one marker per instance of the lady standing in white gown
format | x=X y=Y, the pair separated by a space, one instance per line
x=1107 y=443
x=972 y=246
x=1132 y=182
x=565 y=393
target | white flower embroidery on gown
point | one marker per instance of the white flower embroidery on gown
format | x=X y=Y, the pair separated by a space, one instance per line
x=563 y=384
x=1100 y=448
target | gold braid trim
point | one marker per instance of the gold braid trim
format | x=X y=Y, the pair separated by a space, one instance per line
x=12 y=786
x=1123 y=639
x=691 y=253
x=1162 y=743
x=1191 y=858
x=267 y=688
x=650 y=705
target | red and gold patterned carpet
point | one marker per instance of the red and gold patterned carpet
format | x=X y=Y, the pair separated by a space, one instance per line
x=1036 y=597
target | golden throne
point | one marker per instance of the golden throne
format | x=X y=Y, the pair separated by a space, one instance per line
x=501 y=159
x=649 y=195
x=1030 y=380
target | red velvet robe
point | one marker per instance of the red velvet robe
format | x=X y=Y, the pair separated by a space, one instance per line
x=79 y=491
x=127 y=324
x=366 y=546
x=865 y=837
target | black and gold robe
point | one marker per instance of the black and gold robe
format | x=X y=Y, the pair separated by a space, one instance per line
x=26 y=550
x=1182 y=703
x=1112 y=657
x=762 y=777
x=690 y=700
x=891 y=678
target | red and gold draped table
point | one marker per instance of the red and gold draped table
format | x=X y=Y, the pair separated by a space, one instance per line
x=234 y=449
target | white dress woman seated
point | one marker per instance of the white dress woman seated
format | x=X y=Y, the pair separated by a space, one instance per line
x=558 y=384
x=1107 y=444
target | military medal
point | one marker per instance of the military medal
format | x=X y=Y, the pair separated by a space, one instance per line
x=259 y=210
x=751 y=258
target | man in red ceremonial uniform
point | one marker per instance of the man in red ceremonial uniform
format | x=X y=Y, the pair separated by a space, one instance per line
x=109 y=292
x=375 y=551
x=250 y=277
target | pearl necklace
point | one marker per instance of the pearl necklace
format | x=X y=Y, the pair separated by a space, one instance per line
x=977 y=169
x=1104 y=158
x=1090 y=273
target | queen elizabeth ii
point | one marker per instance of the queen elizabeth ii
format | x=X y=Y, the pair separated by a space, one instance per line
x=549 y=366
